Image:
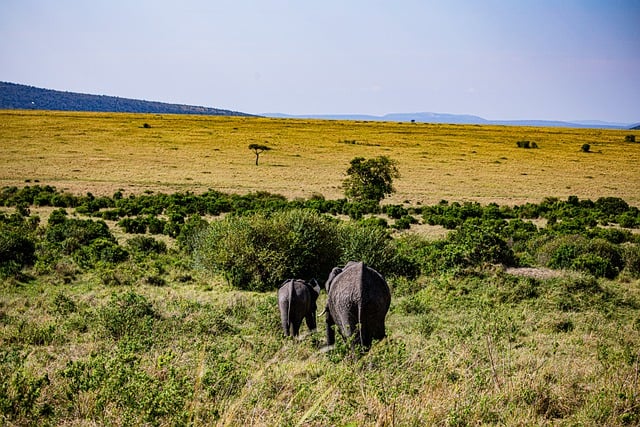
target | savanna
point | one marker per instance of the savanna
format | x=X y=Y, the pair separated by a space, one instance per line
x=140 y=257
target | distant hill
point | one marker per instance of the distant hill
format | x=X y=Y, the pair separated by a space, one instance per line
x=454 y=119
x=21 y=97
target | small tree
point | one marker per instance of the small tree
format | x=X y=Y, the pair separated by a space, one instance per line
x=370 y=180
x=586 y=148
x=258 y=149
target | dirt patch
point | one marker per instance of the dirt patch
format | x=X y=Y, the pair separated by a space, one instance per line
x=535 y=272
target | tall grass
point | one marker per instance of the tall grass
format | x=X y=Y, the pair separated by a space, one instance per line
x=460 y=351
x=103 y=153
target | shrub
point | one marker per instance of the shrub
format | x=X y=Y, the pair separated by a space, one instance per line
x=585 y=148
x=133 y=225
x=395 y=211
x=100 y=250
x=17 y=249
x=370 y=244
x=611 y=206
x=630 y=138
x=594 y=264
x=72 y=234
x=146 y=245
x=631 y=256
x=479 y=241
x=128 y=314
x=404 y=223
x=259 y=252
x=597 y=256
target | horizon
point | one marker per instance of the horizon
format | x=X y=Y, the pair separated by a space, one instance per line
x=353 y=116
x=571 y=61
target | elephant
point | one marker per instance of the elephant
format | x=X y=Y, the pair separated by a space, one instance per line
x=297 y=301
x=358 y=299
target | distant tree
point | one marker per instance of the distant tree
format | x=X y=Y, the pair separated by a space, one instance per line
x=370 y=179
x=630 y=138
x=258 y=149
x=585 y=148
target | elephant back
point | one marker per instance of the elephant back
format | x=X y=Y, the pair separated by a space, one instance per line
x=361 y=286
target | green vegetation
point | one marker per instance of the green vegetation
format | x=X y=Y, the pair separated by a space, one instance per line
x=370 y=179
x=145 y=297
x=258 y=149
x=101 y=322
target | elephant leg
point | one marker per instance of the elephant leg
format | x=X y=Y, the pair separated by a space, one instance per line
x=378 y=329
x=331 y=333
x=311 y=321
x=285 y=325
x=296 y=328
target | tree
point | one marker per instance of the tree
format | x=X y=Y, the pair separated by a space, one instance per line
x=258 y=149
x=370 y=179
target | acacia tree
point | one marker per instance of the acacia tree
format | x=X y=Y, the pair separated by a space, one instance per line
x=258 y=149
x=370 y=179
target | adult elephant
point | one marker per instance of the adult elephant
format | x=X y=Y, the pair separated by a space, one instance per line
x=358 y=299
x=297 y=301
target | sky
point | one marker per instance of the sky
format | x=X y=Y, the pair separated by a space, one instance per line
x=498 y=59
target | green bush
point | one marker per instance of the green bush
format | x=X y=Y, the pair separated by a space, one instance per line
x=146 y=245
x=100 y=250
x=133 y=225
x=631 y=255
x=260 y=251
x=17 y=249
x=593 y=264
x=370 y=244
x=128 y=315
x=596 y=256
x=480 y=241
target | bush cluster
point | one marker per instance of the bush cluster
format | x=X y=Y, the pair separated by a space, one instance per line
x=264 y=239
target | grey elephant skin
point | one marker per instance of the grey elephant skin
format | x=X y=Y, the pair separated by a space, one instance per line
x=358 y=299
x=297 y=301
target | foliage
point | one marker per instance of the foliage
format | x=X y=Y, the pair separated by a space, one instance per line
x=258 y=149
x=261 y=251
x=485 y=346
x=370 y=179
x=17 y=244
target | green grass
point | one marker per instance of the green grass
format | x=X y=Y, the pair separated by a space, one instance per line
x=459 y=351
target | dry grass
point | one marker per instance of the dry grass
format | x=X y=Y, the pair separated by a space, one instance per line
x=101 y=153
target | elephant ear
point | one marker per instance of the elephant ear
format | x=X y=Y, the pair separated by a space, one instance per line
x=284 y=283
x=332 y=275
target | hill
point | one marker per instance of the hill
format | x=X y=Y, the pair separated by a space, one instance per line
x=21 y=97
x=458 y=119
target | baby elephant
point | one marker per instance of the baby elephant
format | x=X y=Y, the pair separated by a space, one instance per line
x=297 y=301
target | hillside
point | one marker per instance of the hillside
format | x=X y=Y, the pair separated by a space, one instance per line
x=21 y=97
x=458 y=119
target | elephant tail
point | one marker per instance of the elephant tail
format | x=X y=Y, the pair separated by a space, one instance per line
x=360 y=324
x=289 y=301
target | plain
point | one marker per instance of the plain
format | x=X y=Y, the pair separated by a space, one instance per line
x=97 y=338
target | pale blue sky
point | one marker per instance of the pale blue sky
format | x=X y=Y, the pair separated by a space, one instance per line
x=499 y=59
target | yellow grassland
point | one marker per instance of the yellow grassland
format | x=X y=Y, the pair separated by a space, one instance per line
x=104 y=152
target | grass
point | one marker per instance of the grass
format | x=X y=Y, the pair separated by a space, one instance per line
x=459 y=352
x=78 y=347
x=101 y=153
